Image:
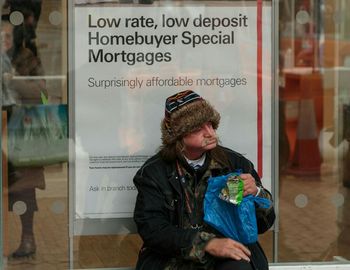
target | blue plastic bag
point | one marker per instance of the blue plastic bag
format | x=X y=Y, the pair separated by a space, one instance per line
x=237 y=222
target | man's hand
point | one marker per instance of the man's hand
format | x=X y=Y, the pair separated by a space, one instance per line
x=249 y=184
x=227 y=248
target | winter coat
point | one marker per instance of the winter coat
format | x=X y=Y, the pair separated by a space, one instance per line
x=159 y=213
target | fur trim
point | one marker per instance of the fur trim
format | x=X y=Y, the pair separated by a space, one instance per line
x=187 y=119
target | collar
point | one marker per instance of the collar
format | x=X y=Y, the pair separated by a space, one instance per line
x=196 y=162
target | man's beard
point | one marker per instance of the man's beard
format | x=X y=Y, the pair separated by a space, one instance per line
x=211 y=140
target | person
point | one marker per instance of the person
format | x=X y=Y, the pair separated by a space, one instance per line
x=171 y=188
x=9 y=96
x=22 y=181
x=25 y=33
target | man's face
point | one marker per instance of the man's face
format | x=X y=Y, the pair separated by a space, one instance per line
x=199 y=141
x=6 y=37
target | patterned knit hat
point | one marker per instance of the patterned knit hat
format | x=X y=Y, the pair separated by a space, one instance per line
x=184 y=112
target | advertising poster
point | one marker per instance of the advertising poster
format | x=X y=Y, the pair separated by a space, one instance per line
x=128 y=59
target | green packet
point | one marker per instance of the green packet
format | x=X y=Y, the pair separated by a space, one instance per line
x=232 y=192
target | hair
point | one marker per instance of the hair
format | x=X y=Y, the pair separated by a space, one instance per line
x=170 y=152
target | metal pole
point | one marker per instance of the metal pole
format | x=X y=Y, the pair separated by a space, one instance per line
x=275 y=126
x=1 y=191
x=71 y=102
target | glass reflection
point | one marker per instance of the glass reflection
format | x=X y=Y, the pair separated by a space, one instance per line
x=31 y=227
x=314 y=143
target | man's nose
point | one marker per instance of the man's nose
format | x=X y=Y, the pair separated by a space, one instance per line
x=209 y=130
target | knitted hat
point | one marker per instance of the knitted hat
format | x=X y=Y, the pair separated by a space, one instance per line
x=184 y=112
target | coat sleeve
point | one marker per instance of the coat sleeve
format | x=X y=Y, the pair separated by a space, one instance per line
x=264 y=193
x=265 y=216
x=153 y=216
x=238 y=161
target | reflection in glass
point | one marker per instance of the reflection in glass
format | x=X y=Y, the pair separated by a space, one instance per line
x=314 y=150
x=30 y=227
